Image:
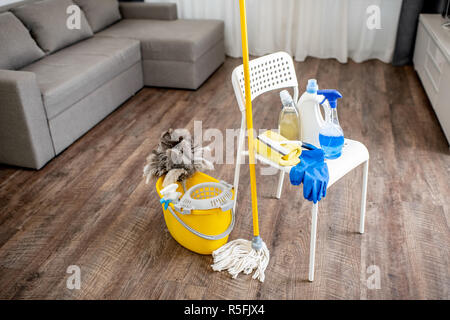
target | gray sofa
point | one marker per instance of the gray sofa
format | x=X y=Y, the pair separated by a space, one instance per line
x=56 y=83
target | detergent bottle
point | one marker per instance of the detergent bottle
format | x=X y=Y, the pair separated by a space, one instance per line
x=312 y=120
x=289 y=123
x=331 y=136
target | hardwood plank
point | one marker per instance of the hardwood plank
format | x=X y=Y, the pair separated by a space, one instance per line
x=90 y=207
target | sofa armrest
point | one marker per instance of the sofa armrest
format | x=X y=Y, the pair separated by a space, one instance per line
x=142 y=10
x=24 y=133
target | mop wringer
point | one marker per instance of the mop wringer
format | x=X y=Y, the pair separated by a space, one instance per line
x=243 y=255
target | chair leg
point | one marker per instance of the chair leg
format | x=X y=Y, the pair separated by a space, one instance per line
x=280 y=184
x=363 y=197
x=312 y=247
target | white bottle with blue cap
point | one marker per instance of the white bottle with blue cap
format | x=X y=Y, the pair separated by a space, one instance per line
x=309 y=107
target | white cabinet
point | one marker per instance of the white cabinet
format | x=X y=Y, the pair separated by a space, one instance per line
x=432 y=63
x=442 y=108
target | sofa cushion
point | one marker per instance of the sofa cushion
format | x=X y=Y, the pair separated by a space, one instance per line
x=71 y=74
x=17 y=48
x=100 y=13
x=47 y=22
x=179 y=40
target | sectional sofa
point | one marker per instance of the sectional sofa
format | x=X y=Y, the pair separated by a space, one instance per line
x=60 y=77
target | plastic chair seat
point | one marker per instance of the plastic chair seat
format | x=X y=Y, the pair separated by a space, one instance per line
x=354 y=153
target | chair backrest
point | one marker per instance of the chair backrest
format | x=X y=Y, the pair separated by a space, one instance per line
x=271 y=72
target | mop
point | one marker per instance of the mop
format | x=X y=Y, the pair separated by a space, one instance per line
x=242 y=255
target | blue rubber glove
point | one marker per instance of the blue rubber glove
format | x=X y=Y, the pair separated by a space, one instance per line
x=297 y=173
x=315 y=182
x=307 y=158
x=312 y=171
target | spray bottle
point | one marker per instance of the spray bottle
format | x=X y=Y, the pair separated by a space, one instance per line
x=331 y=136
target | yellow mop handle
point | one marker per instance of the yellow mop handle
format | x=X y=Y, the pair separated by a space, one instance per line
x=249 y=117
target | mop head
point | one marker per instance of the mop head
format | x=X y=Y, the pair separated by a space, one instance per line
x=238 y=256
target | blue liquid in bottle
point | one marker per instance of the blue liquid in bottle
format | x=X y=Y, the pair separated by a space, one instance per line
x=331 y=145
x=331 y=136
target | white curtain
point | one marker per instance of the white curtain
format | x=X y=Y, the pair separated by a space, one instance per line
x=319 y=28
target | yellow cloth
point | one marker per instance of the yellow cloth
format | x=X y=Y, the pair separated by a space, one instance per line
x=291 y=159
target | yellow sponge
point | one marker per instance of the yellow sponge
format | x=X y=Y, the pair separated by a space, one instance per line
x=293 y=150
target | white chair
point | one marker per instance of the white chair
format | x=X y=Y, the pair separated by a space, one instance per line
x=276 y=71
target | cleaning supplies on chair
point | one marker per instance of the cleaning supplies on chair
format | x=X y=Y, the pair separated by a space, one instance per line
x=309 y=107
x=312 y=171
x=319 y=132
x=331 y=136
x=289 y=123
x=278 y=149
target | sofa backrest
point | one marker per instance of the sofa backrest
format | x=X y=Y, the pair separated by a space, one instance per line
x=17 y=48
x=100 y=13
x=44 y=22
x=47 y=22
x=14 y=5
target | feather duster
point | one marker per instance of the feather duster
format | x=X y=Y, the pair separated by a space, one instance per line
x=176 y=157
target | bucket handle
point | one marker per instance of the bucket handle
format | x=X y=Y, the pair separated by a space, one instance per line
x=205 y=236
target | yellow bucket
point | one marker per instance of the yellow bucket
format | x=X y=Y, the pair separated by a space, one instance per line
x=201 y=231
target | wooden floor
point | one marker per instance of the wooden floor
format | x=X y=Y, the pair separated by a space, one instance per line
x=90 y=207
